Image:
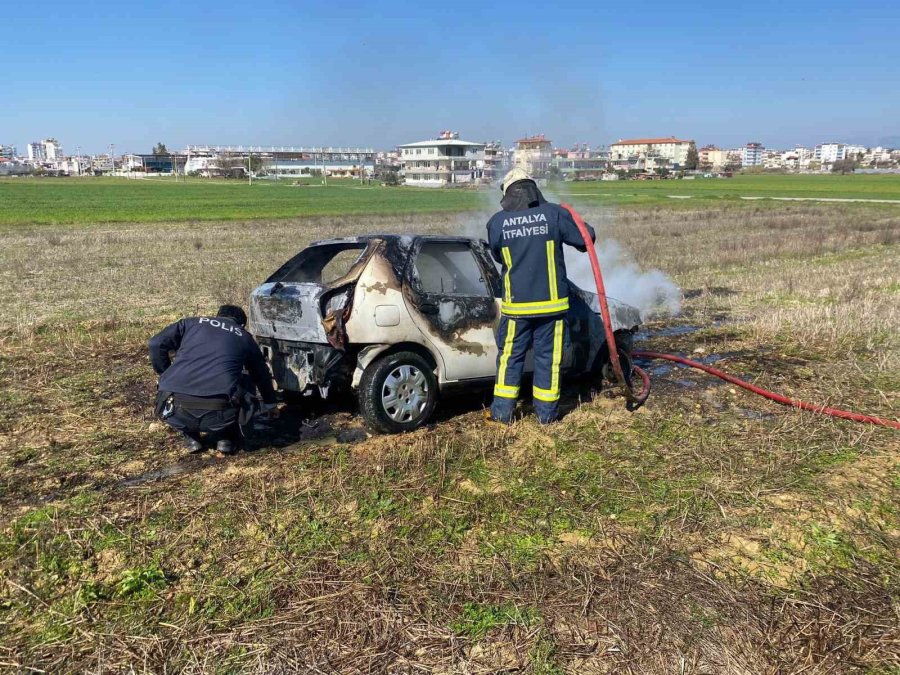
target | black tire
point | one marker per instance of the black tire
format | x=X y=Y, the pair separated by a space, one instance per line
x=602 y=368
x=389 y=374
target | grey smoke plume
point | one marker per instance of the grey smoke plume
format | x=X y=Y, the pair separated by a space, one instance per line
x=651 y=291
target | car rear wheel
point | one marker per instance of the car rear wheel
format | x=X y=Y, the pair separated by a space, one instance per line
x=397 y=393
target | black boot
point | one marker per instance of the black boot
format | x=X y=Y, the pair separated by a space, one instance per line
x=192 y=444
x=226 y=446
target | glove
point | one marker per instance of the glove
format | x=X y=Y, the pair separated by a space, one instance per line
x=269 y=410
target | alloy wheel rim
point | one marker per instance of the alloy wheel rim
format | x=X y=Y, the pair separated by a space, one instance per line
x=404 y=394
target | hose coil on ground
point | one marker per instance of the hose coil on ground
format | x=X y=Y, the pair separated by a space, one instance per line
x=635 y=401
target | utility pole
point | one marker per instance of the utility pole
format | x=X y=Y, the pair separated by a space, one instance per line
x=112 y=158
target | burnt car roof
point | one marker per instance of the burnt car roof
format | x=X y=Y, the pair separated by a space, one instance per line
x=393 y=237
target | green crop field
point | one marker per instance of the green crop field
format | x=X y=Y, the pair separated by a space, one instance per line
x=863 y=186
x=105 y=200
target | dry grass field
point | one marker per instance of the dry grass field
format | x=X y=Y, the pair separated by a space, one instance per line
x=709 y=532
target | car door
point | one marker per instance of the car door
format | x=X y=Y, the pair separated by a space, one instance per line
x=452 y=300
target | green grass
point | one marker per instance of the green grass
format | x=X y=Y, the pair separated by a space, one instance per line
x=108 y=200
x=861 y=186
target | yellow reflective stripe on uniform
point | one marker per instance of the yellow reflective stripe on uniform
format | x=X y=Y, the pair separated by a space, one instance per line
x=544 y=395
x=551 y=270
x=506 y=392
x=544 y=307
x=507 y=288
x=552 y=394
x=557 y=355
x=507 y=351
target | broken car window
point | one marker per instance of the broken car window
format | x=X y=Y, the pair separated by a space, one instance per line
x=320 y=264
x=450 y=268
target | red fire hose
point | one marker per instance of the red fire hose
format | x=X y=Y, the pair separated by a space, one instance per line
x=634 y=401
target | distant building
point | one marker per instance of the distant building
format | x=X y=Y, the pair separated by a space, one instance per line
x=878 y=156
x=829 y=153
x=101 y=164
x=773 y=159
x=153 y=163
x=533 y=155
x=581 y=163
x=8 y=151
x=47 y=150
x=855 y=151
x=14 y=167
x=635 y=152
x=712 y=157
x=74 y=166
x=496 y=161
x=52 y=149
x=387 y=162
x=36 y=152
x=442 y=161
x=213 y=160
x=752 y=154
x=796 y=159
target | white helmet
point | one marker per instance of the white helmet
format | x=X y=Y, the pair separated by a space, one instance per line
x=513 y=176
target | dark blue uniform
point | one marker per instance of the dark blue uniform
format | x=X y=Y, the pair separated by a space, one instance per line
x=207 y=374
x=527 y=242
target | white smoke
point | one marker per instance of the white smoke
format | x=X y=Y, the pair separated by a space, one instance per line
x=652 y=292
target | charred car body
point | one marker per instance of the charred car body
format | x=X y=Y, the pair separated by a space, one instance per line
x=398 y=319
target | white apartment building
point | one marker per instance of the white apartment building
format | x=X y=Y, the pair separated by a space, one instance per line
x=752 y=154
x=773 y=159
x=534 y=155
x=829 y=153
x=669 y=148
x=797 y=159
x=855 y=151
x=101 y=163
x=52 y=149
x=496 y=161
x=880 y=154
x=47 y=150
x=443 y=161
x=36 y=152
x=74 y=166
x=8 y=151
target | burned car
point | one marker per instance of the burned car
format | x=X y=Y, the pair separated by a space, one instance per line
x=400 y=319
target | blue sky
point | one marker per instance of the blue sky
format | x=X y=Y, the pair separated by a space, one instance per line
x=344 y=73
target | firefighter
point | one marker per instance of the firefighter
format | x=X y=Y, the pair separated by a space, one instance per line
x=205 y=391
x=526 y=239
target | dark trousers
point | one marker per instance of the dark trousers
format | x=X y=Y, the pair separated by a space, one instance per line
x=216 y=424
x=515 y=336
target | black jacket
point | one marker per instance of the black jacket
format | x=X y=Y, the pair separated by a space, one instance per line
x=526 y=238
x=212 y=353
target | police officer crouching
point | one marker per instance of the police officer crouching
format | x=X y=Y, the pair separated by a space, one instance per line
x=205 y=390
x=526 y=238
